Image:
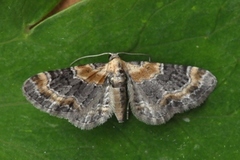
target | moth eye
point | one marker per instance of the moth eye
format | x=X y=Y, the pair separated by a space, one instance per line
x=110 y=57
x=121 y=71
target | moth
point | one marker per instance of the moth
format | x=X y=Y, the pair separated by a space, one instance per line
x=88 y=95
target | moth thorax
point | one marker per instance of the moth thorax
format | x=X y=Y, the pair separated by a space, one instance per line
x=118 y=80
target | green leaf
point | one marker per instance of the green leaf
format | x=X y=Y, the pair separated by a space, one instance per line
x=200 y=33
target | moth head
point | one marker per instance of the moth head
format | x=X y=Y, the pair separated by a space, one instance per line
x=113 y=55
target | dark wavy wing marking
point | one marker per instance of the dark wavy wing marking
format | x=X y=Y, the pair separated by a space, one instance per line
x=175 y=90
x=61 y=93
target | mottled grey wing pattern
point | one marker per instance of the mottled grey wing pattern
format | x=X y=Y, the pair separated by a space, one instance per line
x=64 y=94
x=88 y=95
x=154 y=99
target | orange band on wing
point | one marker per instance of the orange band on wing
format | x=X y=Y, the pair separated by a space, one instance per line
x=90 y=75
x=41 y=82
x=143 y=72
x=196 y=75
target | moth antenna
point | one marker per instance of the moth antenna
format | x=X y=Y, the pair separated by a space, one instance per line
x=108 y=53
x=90 y=56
